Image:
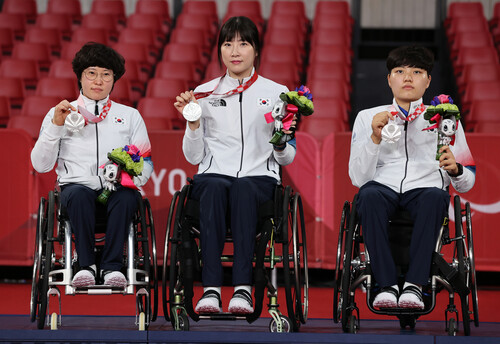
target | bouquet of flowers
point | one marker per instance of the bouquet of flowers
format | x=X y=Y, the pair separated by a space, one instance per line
x=124 y=164
x=298 y=102
x=444 y=116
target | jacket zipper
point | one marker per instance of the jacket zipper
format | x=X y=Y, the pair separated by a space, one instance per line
x=406 y=152
x=241 y=129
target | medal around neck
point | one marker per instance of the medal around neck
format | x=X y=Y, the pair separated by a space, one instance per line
x=192 y=112
x=391 y=133
x=74 y=122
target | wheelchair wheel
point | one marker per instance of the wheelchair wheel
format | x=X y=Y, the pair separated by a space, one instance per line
x=472 y=265
x=36 y=281
x=285 y=325
x=338 y=270
x=462 y=263
x=295 y=260
x=46 y=235
x=347 y=274
x=165 y=288
x=146 y=250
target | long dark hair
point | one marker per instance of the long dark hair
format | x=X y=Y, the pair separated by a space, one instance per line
x=246 y=29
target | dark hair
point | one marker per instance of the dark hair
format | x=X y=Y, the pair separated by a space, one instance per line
x=98 y=55
x=246 y=29
x=411 y=56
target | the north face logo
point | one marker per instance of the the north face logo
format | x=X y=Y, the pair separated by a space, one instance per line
x=217 y=102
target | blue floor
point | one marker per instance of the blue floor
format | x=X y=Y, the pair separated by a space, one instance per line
x=107 y=329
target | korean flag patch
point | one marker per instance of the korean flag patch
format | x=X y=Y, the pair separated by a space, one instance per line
x=264 y=101
x=119 y=120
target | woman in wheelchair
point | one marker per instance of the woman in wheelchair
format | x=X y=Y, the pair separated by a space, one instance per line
x=405 y=174
x=238 y=167
x=80 y=146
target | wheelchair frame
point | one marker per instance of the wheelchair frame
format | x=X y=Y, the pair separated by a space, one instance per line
x=52 y=270
x=284 y=225
x=353 y=270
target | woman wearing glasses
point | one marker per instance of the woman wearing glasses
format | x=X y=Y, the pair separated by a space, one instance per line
x=80 y=151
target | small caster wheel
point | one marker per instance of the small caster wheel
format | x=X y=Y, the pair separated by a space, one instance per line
x=353 y=324
x=183 y=322
x=142 y=321
x=53 y=321
x=286 y=325
x=452 y=327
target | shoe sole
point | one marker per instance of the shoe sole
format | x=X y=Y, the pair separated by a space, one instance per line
x=240 y=310
x=385 y=304
x=83 y=282
x=116 y=282
x=411 y=305
x=208 y=309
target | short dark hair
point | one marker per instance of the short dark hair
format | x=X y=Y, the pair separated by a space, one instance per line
x=411 y=56
x=94 y=54
x=247 y=30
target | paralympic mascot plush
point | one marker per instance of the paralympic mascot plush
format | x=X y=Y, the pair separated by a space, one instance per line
x=124 y=164
x=444 y=116
x=298 y=102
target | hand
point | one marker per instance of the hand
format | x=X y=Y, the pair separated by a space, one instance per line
x=447 y=160
x=62 y=110
x=378 y=122
x=181 y=101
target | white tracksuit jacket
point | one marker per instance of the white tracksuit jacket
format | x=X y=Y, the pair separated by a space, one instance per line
x=79 y=155
x=409 y=163
x=233 y=137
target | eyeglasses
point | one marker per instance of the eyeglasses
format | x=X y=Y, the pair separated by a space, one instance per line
x=91 y=75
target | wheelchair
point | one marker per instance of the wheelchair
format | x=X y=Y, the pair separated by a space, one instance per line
x=55 y=262
x=281 y=241
x=457 y=277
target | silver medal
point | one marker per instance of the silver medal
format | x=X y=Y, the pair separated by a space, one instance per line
x=192 y=112
x=391 y=132
x=74 y=122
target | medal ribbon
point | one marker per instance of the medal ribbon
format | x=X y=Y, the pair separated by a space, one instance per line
x=411 y=117
x=89 y=116
x=239 y=89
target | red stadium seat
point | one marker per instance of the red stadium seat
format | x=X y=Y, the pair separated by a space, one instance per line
x=59 y=21
x=113 y=8
x=61 y=69
x=161 y=108
x=122 y=92
x=157 y=123
x=178 y=70
x=487 y=127
x=71 y=8
x=321 y=127
x=191 y=35
x=278 y=70
x=214 y=70
x=24 y=69
x=100 y=21
x=50 y=36
x=207 y=8
x=31 y=125
x=25 y=7
x=6 y=40
x=282 y=36
x=482 y=111
x=137 y=52
x=198 y=21
x=15 y=22
x=327 y=21
x=148 y=37
x=185 y=52
x=69 y=49
x=479 y=91
x=329 y=88
x=467 y=56
x=39 y=106
x=159 y=8
x=283 y=53
x=465 y=9
x=289 y=9
x=248 y=8
x=14 y=89
x=330 y=37
x=331 y=108
x=165 y=88
x=466 y=24
x=329 y=70
x=470 y=40
x=150 y=21
x=83 y=35
x=64 y=88
x=4 y=110
x=39 y=52
x=477 y=72
x=331 y=54
x=332 y=7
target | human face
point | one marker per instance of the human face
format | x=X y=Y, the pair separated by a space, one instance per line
x=238 y=56
x=408 y=84
x=98 y=88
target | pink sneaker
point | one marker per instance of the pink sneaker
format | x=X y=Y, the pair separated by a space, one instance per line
x=210 y=302
x=84 y=278
x=241 y=302
x=411 y=298
x=114 y=279
x=386 y=298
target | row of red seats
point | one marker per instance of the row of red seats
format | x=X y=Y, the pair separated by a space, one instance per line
x=475 y=63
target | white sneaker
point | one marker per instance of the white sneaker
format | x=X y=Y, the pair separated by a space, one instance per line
x=84 y=278
x=114 y=279
x=411 y=298
x=210 y=302
x=386 y=298
x=241 y=302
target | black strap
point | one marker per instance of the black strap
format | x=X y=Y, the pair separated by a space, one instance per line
x=243 y=294
x=411 y=289
x=390 y=290
x=212 y=294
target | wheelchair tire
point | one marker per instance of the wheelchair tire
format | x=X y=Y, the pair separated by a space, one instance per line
x=153 y=281
x=301 y=269
x=46 y=261
x=345 y=295
x=452 y=327
x=472 y=265
x=338 y=271
x=285 y=322
x=37 y=259
x=462 y=268
x=165 y=288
